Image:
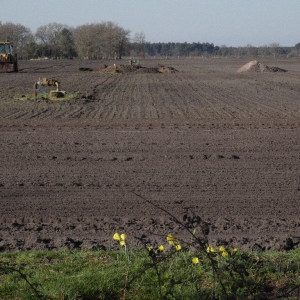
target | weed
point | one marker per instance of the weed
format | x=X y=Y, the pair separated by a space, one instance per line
x=46 y=97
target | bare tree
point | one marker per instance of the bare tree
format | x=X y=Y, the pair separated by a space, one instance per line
x=139 y=42
x=66 y=45
x=85 y=39
x=48 y=36
x=20 y=35
x=101 y=40
x=139 y=38
x=274 y=49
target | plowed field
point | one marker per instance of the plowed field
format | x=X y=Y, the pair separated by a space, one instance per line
x=203 y=140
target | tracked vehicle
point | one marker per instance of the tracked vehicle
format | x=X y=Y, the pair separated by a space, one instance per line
x=8 y=60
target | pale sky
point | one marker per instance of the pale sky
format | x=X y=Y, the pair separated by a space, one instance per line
x=222 y=22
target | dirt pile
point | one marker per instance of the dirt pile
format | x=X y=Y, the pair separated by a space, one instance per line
x=256 y=66
x=136 y=69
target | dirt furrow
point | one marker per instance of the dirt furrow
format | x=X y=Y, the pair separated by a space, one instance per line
x=203 y=140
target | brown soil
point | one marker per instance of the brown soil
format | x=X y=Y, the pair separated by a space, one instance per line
x=256 y=66
x=121 y=68
x=204 y=140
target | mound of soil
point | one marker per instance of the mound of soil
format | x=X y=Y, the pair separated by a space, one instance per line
x=136 y=69
x=256 y=66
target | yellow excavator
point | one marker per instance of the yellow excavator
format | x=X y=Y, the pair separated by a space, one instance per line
x=8 y=60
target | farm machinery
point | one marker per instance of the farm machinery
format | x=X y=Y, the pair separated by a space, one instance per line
x=46 y=82
x=8 y=60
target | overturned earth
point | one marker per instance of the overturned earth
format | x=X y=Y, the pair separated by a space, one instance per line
x=132 y=68
x=136 y=153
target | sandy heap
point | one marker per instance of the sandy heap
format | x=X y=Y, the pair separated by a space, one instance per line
x=256 y=66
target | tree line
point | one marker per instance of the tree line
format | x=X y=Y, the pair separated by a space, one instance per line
x=107 y=40
x=93 y=41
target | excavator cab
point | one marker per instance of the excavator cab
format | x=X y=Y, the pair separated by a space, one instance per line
x=8 y=60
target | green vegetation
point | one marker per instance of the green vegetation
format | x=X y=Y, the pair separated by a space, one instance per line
x=176 y=269
x=164 y=273
x=46 y=97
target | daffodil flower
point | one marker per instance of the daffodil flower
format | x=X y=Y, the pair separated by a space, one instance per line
x=171 y=240
x=178 y=247
x=116 y=237
x=123 y=236
x=233 y=251
x=222 y=249
x=122 y=243
x=161 y=248
x=210 y=249
x=224 y=254
x=195 y=260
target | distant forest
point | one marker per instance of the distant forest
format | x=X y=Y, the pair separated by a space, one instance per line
x=107 y=40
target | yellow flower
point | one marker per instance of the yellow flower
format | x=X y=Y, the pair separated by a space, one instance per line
x=161 y=248
x=116 y=237
x=233 y=251
x=123 y=236
x=210 y=249
x=171 y=240
x=222 y=249
x=195 y=260
x=122 y=243
x=150 y=248
x=178 y=247
x=224 y=253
